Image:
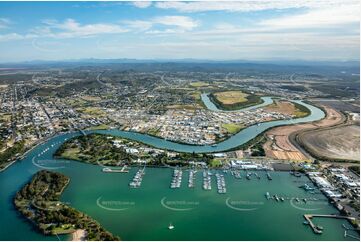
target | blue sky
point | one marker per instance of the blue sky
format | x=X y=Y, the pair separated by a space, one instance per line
x=217 y=30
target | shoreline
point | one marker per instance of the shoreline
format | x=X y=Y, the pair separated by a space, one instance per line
x=36 y=144
x=78 y=235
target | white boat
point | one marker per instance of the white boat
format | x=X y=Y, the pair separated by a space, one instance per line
x=170 y=226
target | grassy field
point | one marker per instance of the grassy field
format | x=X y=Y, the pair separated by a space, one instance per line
x=232 y=128
x=91 y=111
x=233 y=100
x=6 y=117
x=288 y=108
x=91 y=98
x=71 y=154
x=101 y=126
x=231 y=97
x=215 y=163
x=199 y=84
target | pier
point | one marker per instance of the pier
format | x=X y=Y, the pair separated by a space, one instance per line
x=123 y=170
x=317 y=229
x=177 y=179
x=207 y=180
x=137 y=180
x=269 y=176
x=191 y=178
x=221 y=184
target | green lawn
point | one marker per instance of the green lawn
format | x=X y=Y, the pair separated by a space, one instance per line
x=232 y=128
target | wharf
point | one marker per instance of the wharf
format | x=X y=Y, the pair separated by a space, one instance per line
x=315 y=228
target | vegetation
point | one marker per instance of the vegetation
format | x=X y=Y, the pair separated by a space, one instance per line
x=199 y=84
x=234 y=101
x=101 y=126
x=94 y=149
x=232 y=128
x=301 y=111
x=11 y=153
x=215 y=163
x=39 y=202
x=231 y=97
x=100 y=149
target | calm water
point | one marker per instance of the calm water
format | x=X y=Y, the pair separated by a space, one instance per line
x=138 y=214
x=144 y=214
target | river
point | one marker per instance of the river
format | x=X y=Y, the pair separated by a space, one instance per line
x=145 y=213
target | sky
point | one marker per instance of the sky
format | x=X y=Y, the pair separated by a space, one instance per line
x=322 y=30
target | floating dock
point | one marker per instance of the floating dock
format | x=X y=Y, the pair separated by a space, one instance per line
x=191 y=178
x=123 y=170
x=207 y=180
x=137 y=179
x=221 y=184
x=177 y=179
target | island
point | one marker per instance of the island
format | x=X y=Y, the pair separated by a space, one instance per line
x=39 y=202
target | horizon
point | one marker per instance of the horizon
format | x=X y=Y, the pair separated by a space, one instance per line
x=255 y=31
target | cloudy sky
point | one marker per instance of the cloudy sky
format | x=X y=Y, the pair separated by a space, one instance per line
x=243 y=30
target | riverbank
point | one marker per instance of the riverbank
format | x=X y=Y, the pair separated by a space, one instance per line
x=33 y=146
x=78 y=235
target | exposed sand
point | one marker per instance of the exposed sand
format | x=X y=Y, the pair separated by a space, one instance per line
x=283 y=107
x=78 y=235
x=333 y=143
x=280 y=147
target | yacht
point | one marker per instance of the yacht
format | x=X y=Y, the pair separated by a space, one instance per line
x=170 y=226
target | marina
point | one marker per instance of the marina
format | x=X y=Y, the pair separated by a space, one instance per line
x=177 y=179
x=221 y=183
x=207 y=180
x=128 y=223
x=236 y=174
x=191 y=178
x=138 y=178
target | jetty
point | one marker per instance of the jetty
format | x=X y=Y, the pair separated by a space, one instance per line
x=207 y=180
x=137 y=179
x=191 y=178
x=221 y=184
x=123 y=170
x=177 y=179
x=269 y=176
x=317 y=229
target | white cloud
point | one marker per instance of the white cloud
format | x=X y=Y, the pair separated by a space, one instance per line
x=317 y=18
x=142 y=4
x=139 y=25
x=15 y=36
x=71 y=28
x=178 y=24
x=250 y=5
x=182 y=22
x=4 y=23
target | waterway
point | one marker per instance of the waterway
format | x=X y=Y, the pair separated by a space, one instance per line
x=243 y=213
x=236 y=140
